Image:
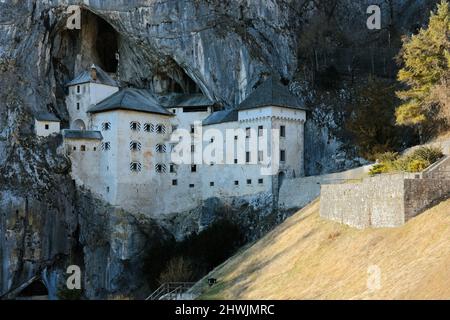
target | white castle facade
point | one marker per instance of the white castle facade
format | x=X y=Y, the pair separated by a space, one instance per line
x=122 y=141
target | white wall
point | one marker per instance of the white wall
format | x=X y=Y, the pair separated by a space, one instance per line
x=152 y=193
x=90 y=94
x=53 y=127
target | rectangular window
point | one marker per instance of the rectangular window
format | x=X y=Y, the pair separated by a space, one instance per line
x=107 y=189
x=260 y=181
x=260 y=131
x=83 y=148
x=247 y=132
x=282 y=131
x=192 y=148
x=235 y=161
x=175 y=182
x=192 y=128
x=282 y=155
x=236 y=183
x=260 y=156
x=247 y=157
x=78 y=106
x=78 y=89
x=194 y=168
x=249 y=181
x=74 y=148
x=211 y=184
x=191 y=185
x=195 y=109
x=174 y=110
x=235 y=137
x=47 y=127
x=172 y=168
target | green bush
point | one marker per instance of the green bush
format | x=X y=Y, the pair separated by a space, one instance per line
x=418 y=165
x=418 y=160
x=378 y=168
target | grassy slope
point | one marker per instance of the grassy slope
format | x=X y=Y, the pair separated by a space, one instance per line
x=307 y=257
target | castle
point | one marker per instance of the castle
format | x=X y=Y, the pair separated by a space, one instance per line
x=121 y=143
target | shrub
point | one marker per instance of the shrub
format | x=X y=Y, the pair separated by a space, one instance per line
x=417 y=165
x=416 y=161
x=378 y=168
x=429 y=154
x=67 y=294
x=178 y=269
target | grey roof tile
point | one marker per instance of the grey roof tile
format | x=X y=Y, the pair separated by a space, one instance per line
x=221 y=117
x=82 y=134
x=85 y=77
x=271 y=93
x=131 y=99
x=46 y=116
x=185 y=100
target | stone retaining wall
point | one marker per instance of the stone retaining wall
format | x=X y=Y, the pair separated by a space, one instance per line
x=383 y=201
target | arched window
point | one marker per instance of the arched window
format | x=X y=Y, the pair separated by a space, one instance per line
x=135 y=167
x=135 y=126
x=106 y=146
x=149 y=127
x=161 y=148
x=160 y=129
x=78 y=125
x=160 y=168
x=106 y=126
x=135 y=146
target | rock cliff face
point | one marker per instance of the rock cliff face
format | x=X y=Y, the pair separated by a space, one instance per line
x=224 y=47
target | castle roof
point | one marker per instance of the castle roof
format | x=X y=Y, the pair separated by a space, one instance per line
x=82 y=134
x=185 y=100
x=86 y=77
x=130 y=99
x=221 y=117
x=46 y=116
x=271 y=93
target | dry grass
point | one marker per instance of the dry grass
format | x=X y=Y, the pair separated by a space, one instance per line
x=307 y=257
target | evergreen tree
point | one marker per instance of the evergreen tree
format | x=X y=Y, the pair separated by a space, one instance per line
x=426 y=61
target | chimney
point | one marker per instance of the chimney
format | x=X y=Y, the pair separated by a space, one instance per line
x=93 y=72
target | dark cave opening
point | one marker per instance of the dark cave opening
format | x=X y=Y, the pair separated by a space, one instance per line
x=36 y=288
x=107 y=46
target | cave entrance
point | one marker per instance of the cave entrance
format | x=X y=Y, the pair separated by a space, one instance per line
x=36 y=290
x=106 y=44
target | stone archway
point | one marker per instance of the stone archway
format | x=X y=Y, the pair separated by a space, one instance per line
x=78 y=125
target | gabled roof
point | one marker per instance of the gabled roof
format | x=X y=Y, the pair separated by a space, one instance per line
x=131 y=99
x=45 y=116
x=271 y=93
x=221 y=117
x=82 y=134
x=185 y=100
x=85 y=77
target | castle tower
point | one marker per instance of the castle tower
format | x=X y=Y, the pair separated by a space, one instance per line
x=86 y=90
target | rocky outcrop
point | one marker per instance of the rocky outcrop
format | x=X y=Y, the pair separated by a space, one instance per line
x=224 y=47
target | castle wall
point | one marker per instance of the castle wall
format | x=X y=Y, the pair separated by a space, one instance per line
x=298 y=192
x=382 y=201
x=53 y=127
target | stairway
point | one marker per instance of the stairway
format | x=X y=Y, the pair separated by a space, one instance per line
x=172 y=291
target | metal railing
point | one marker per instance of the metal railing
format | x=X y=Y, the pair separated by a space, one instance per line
x=171 y=291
